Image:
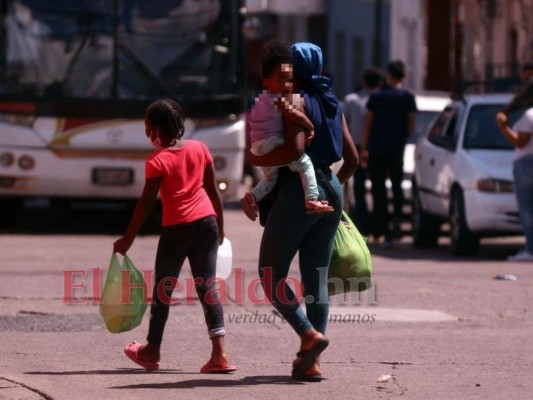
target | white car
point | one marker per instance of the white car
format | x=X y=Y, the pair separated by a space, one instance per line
x=428 y=106
x=463 y=174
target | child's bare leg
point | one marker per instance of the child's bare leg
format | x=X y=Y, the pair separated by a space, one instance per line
x=305 y=168
x=218 y=352
x=218 y=363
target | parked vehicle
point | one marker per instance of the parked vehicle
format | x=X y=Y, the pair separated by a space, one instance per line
x=429 y=106
x=75 y=81
x=463 y=175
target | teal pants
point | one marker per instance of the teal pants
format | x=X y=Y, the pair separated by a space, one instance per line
x=289 y=230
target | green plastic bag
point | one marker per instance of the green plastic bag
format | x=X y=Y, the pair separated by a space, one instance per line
x=350 y=269
x=122 y=306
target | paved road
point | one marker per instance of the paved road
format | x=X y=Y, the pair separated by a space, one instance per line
x=442 y=327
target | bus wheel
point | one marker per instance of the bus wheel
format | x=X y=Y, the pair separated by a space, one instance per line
x=10 y=210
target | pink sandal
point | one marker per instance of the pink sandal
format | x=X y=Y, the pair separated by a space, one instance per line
x=131 y=351
x=217 y=369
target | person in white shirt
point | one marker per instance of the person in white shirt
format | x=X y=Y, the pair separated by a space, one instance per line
x=520 y=136
x=354 y=108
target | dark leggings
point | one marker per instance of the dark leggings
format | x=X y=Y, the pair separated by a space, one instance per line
x=378 y=168
x=197 y=241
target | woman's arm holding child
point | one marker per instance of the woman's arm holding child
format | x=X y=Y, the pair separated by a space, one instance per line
x=292 y=112
x=291 y=150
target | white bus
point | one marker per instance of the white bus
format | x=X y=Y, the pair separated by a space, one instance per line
x=77 y=76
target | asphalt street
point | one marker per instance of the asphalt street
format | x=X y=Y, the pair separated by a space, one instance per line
x=436 y=327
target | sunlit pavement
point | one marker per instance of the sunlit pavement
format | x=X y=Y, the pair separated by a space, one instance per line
x=440 y=326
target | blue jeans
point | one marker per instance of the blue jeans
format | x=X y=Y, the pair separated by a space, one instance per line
x=288 y=230
x=523 y=181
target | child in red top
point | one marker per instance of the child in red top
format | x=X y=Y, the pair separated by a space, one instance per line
x=193 y=227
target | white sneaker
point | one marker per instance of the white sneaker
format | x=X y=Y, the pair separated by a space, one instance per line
x=522 y=255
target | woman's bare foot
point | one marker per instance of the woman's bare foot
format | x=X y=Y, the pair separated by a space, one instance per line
x=309 y=338
x=306 y=365
x=313 y=373
x=318 y=207
x=314 y=370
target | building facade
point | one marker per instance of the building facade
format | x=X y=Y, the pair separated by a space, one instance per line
x=477 y=45
x=447 y=45
x=407 y=40
x=358 y=37
x=290 y=21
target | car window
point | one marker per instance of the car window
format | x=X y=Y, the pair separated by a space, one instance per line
x=442 y=132
x=422 y=120
x=481 y=130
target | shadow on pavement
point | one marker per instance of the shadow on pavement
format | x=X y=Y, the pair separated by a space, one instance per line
x=187 y=384
x=492 y=251
x=118 y=371
x=79 y=218
x=89 y=218
x=211 y=383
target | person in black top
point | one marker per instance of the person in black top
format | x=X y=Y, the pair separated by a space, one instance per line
x=389 y=123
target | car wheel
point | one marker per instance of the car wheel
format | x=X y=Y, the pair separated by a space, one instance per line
x=426 y=228
x=10 y=210
x=464 y=242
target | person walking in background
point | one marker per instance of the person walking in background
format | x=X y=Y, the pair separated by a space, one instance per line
x=354 y=108
x=289 y=229
x=389 y=123
x=520 y=136
x=192 y=227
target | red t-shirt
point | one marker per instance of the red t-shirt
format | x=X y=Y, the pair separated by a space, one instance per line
x=182 y=190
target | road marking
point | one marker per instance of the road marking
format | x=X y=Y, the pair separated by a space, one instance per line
x=395 y=314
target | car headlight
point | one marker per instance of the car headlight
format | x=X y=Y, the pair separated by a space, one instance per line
x=26 y=162
x=7 y=159
x=495 y=186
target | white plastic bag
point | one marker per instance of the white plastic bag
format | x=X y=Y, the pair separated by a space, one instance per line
x=224 y=260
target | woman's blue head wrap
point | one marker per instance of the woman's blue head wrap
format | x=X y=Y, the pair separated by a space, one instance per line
x=321 y=104
x=307 y=64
